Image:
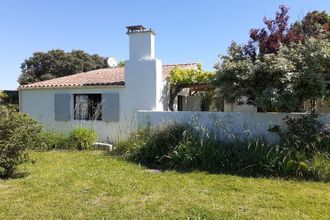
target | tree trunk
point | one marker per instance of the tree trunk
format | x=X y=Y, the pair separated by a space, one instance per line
x=173 y=93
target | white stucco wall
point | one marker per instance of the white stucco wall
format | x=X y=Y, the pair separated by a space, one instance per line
x=40 y=104
x=228 y=125
x=143 y=84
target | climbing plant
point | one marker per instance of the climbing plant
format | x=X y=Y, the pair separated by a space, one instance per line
x=183 y=78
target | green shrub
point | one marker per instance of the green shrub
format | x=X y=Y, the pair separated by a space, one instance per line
x=183 y=147
x=50 y=140
x=321 y=166
x=82 y=139
x=78 y=139
x=167 y=146
x=304 y=133
x=18 y=132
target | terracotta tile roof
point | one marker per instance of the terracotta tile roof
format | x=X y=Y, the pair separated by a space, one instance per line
x=100 y=77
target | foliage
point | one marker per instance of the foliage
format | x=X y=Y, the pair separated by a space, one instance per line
x=234 y=73
x=3 y=95
x=311 y=77
x=121 y=64
x=158 y=147
x=82 y=139
x=305 y=133
x=278 y=31
x=8 y=97
x=305 y=145
x=208 y=101
x=321 y=166
x=69 y=185
x=269 y=40
x=77 y=139
x=291 y=67
x=57 y=63
x=18 y=132
x=184 y=77
x=277 y=82
x=187 y=147
x=50 y=140
x=180 y=78
x=315 y=24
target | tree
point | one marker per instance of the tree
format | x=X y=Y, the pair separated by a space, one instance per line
x=280 y=68
x=278 y=31
x=315 y=24
x=233 y=74
x=262 y=81
x=311 y=77
x=57 y=63
x=267 y=40
x=283 y=81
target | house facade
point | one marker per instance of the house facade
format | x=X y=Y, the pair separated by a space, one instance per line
x=105 y=99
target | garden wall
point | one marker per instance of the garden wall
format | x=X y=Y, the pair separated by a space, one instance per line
x=227 y=125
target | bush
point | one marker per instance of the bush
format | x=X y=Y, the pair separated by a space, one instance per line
x=183 y=147
x=82 y=139
x=50 y=140
x=78 y=139
x=171 y=146
x=18 y=132
x=321 y=166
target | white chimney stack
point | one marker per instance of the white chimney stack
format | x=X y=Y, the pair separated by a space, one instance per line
x=143 y=71
x=141 y=43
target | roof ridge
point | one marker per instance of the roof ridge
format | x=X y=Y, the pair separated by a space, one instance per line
x=103 y=76
x=177 y=64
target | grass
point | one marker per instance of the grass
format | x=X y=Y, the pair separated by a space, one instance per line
x=70 y=185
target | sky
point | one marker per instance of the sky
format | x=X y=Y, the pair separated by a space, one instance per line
x=186 y=30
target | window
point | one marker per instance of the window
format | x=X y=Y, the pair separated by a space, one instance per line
x=87 y=107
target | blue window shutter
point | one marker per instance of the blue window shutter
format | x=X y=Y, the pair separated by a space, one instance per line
x=110 y=107
x=62 y=107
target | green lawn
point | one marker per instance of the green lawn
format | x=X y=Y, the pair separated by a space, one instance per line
x=91 y=185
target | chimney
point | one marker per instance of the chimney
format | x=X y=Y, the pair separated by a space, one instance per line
x=143 y=71
x=141 y=43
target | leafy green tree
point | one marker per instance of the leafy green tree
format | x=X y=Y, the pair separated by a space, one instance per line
x=284 y=81
x=57 y=63
x=315 y=24
x=281 y=67
x=311 y=77
x=234 y=74
x=278 y=31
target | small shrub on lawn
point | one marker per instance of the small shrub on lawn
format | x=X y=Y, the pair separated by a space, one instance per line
x=82 y=139
x=321 y=166
x=18 y=132
x=77 y=139
x=50 y=140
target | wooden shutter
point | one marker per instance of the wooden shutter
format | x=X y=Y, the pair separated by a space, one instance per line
x=62 y=107
x=110 y=107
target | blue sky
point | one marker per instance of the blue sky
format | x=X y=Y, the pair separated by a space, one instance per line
x=187 y=30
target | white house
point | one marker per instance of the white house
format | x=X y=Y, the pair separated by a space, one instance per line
x=105 y=99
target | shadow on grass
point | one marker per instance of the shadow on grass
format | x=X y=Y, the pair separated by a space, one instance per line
x=154 y=168
x=16 y=175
